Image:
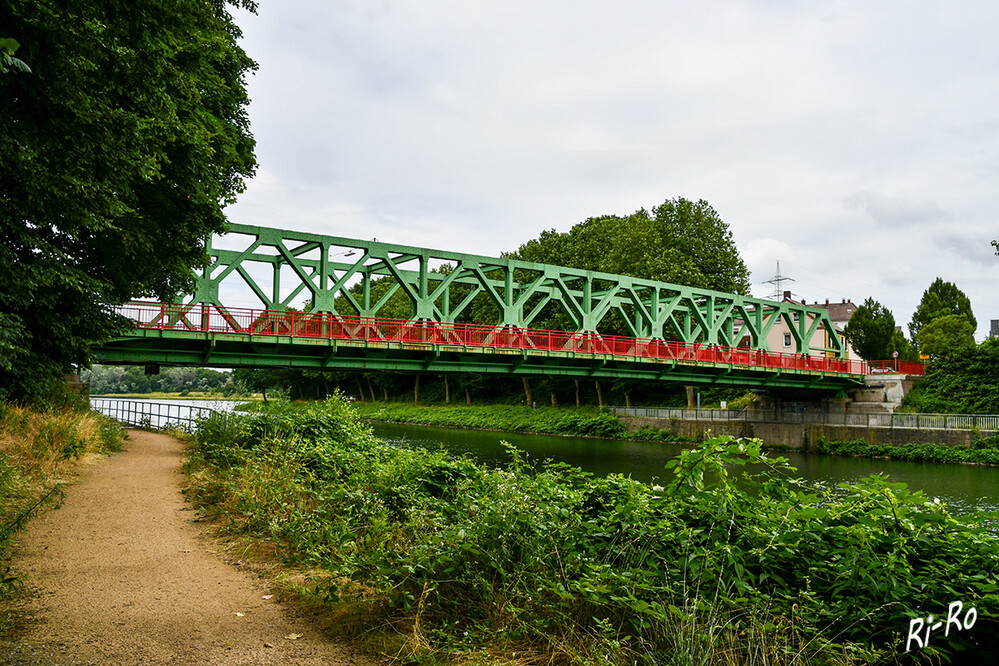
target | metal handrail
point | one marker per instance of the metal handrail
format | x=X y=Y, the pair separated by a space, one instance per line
x=206 y=318
x=979 y=422
x=156 y=415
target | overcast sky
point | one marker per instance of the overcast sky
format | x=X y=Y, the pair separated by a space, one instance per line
x=857 y=143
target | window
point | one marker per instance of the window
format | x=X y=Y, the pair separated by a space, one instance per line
x=797 y=317
x=787 y=339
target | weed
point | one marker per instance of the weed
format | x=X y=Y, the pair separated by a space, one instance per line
x=37 y=446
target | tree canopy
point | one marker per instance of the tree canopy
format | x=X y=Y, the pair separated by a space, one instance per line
x=945 y=335
x=120 y=148
x=872 y=332
x=940 y=300
x=680 y=241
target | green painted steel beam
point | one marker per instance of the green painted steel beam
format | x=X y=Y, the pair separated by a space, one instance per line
x=198 y=348
x=350 y=276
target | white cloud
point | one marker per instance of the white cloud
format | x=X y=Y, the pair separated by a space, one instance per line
x=855 y=143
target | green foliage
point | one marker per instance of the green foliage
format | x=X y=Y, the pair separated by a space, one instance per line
x=871 y=330
x=982 y=451
x=118 y=154
x=680 y=242
x=133 y=379
x=966 y=382
x=8 y=62
x=506 y=418
x=941 y=299
x=949 y=334
x=731 y=562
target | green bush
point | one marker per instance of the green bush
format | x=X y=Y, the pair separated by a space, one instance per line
x=730 y=558
x=966 y=382
x=983 y=451
x=506 y=418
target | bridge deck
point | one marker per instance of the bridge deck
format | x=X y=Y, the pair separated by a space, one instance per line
x=231 y=337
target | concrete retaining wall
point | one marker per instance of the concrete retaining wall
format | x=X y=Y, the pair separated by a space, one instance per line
x=802 y=436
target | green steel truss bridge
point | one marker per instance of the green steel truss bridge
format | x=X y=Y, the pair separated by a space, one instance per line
x=371 y=306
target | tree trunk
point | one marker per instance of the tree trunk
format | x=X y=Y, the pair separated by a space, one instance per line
x=360 y=390
x=691 y=404
x=554 y=400
x=600 y=395
x=385 y=392
x=416 y=391
x=577 y=392
x=371 y=389
x=468 y=397
x=527 y=392
x=627 y=399
x=447 y=391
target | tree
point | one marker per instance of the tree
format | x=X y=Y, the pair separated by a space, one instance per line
x=947 y=334
x=680 y=242
x=872 y=332
x=118 y=153
x=940 y=300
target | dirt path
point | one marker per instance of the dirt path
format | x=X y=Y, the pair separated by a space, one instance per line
x=120 y=575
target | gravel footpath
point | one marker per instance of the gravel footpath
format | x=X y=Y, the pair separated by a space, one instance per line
x=121 y=575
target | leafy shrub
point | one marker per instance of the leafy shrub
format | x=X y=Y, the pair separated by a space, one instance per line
x=984 y=451
x=729 y=561
x=962 y=383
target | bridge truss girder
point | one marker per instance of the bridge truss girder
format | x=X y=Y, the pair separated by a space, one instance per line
x=346 y=276
x=206 y=349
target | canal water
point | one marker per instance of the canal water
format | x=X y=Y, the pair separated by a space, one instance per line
x=965 y=488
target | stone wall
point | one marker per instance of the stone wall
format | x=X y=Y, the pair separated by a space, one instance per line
x=802 y=436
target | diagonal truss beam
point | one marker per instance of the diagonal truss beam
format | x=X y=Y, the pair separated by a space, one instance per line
x=341 y=275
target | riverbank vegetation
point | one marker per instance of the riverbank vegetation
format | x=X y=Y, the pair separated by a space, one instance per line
x=507 y=418
x=984 y=450
x=38 y=449
x=731 y=562
x=572 y=422
x=132 y=380
x=961 y=383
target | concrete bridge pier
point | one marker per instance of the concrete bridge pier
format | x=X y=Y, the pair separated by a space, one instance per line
x=880 y=393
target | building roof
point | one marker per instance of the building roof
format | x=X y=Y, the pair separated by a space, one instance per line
x=838 y=312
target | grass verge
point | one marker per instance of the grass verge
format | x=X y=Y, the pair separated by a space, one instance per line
x=577 y=422
x=38 y=450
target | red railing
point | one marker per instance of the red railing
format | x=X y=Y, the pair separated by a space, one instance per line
x=212 y=319
x=896 y=367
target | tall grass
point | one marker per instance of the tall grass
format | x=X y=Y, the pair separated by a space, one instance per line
x=37 y=451
x=730 y=563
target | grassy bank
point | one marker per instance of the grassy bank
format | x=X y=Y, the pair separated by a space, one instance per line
x=453 y=559
x=579 y=422
x=38 y=450
x=984 y=451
